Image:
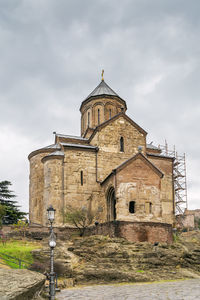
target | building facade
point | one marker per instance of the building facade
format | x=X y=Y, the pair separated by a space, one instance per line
x=109 y=170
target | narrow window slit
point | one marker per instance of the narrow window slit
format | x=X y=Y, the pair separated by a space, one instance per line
x=132 y=207
x=98 y=116
x=81 y=177
x=88 y=119
x=150 y=208
x=122 y=144
x=109 y=113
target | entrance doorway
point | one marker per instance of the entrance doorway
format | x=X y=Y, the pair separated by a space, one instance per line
x=111 y=205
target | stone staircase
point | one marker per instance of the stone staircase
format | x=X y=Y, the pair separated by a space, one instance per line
x=100 y=259
x=105 y=259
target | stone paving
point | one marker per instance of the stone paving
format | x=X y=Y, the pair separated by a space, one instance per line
x=176 y=290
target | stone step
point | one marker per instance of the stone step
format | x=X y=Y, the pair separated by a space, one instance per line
x=112 y=260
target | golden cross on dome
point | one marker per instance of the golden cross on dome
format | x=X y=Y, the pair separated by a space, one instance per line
x=102 y=75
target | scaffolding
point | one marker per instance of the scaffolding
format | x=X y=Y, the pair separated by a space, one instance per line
x=180 y=181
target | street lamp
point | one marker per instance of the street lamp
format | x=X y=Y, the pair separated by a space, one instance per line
x=52 y=240
x=51 y=214
x=52 y=245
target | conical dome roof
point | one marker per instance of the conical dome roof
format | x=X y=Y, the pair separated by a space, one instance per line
x=102 y=89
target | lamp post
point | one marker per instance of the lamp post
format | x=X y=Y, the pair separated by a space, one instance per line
x=52 y=245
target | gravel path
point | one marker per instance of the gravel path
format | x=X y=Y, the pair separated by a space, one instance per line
x=176 y=290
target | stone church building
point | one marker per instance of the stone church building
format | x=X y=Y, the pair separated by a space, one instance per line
x=109 y=170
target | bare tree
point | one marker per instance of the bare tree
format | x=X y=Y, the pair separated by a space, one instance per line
x=80 y=218
x=22 y=227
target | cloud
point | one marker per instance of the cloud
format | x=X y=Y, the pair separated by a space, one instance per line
x=52 y=54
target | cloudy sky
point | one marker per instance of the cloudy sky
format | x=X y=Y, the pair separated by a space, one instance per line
x=51 y=56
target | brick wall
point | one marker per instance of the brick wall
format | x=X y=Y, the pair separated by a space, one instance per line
x=135 y=231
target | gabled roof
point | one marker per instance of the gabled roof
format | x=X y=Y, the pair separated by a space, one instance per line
x=75 y=137
x=63 y=138
x=152 y=147
x=160 y=156
x=121 y=114
x=128 y=161
x=102 y=89
x=71 y=145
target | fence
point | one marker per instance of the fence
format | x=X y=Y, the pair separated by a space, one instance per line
x=14 y=262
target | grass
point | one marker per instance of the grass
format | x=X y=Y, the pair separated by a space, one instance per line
x=18 y=249
x=176 y=237
x=140 y=271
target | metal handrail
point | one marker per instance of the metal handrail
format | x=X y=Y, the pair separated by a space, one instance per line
x=17 y=261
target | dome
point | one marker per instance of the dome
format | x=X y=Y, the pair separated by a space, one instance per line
x=100 y=105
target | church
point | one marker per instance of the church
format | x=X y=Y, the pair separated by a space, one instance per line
x=109 y=169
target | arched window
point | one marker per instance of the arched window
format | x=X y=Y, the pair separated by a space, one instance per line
x=111 y=205
x=148 y=208
x=83 y=125
x=88 y=119
x=98 y=116
x=121 y=144
x=132 y=207
x=110 y=113
x=81 y=177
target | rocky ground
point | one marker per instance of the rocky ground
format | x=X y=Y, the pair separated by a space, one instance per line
x=20 y=284
x=100 y=259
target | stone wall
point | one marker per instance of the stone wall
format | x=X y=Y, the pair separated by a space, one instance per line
x=167 y=187
x=139 y=183
x=40 y=233
x=135 y=231
x=188 y=221
x=194 y=212
x=107 y=107
x=36 y=188
x=57 y=180
x=108 y=142
x=132 y=231
x=53 y=188
x=85 y=194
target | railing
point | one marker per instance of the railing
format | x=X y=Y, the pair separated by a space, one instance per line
x=14 y=262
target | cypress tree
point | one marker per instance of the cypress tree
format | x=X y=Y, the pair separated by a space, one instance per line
x=12 y=212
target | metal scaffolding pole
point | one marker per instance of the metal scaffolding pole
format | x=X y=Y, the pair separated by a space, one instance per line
x=180 y=179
